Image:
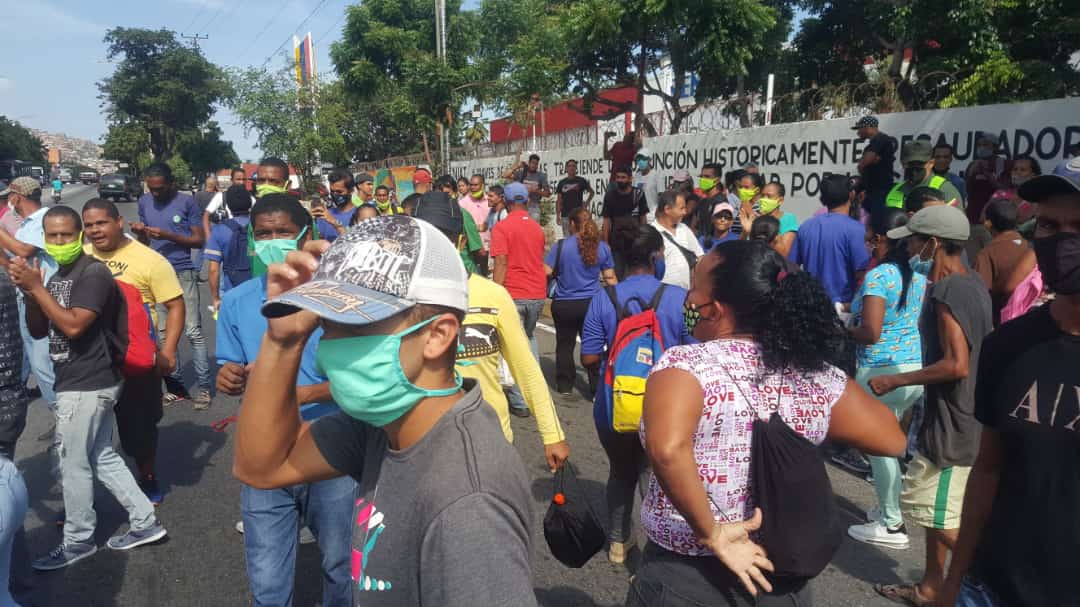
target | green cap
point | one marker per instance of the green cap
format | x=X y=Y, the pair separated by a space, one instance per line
x=918 y=150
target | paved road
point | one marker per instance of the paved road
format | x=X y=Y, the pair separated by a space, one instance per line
x=202 y=562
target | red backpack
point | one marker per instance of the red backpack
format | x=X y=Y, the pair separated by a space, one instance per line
x=136 y=336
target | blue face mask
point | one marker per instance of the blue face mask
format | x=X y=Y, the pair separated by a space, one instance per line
x=659 y=267
x=920 y=265
x=372 y=386
x=642 y=164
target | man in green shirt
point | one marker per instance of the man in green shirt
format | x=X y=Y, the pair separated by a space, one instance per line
x=916 y=158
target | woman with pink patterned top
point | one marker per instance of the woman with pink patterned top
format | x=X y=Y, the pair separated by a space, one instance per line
x=769 y=344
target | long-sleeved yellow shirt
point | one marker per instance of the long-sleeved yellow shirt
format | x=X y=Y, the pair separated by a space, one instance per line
x=492 y=328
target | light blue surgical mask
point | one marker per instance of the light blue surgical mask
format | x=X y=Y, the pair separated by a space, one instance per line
x=366 y=378
x=275 y=250
x=920 y=265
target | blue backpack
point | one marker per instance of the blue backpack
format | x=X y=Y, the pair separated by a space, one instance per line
x=235 y=261
x=638 y=344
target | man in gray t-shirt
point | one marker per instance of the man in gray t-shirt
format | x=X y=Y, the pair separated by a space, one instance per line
x=442 y=514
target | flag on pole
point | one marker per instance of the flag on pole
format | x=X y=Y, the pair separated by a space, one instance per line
x=304 y=59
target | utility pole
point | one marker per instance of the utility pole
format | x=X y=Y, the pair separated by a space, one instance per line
x=195 y=39
x=440 y=53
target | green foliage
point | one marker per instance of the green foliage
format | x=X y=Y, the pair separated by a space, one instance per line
x=17 y=143
x=128 y=142
x=160 y=85
x=205 y=152
x=181 y=171
x=290 y=124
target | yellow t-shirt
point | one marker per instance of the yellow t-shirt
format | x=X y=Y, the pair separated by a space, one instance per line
x=492 y=327
x=145 y=269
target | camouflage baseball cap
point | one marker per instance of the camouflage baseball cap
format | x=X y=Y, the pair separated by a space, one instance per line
x=23 y=186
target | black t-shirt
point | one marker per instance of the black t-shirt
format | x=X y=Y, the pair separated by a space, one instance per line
x=85 y=363
x=573 y=190
x=1028 y=390
x=950 y=434
x=624 y=204
x=879 y=176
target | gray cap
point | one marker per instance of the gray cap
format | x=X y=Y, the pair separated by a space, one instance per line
x=944 y=221
x=364 y=178
x=918 y=150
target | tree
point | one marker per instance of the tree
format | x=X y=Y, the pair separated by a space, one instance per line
x=205 y=152
x=128 y=142
x=387 y=62
x=18 y=143
x=161 y=86
x=296 y=126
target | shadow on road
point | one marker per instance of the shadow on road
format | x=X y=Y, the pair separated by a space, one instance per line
x=565 y=596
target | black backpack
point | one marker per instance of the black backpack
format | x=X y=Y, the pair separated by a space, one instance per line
x=801 y=528
x=573 y=531
x=235 y=261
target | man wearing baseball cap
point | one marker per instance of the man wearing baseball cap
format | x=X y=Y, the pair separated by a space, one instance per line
x=876 y=163
x=646 y=179
x=1024 y=491
x=917 y=160
x=421 y=180
x=442 y=509
x=955 y=321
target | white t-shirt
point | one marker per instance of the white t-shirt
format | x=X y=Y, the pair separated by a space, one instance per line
x=219 y=201
x=677 y=270
x=650 y=184
x=730 y=372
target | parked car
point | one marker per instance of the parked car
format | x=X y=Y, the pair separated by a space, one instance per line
x=88 y=177
x=117 y=185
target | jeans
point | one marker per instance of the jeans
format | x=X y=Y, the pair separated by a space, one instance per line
x=667 y=579
x=628 y=467
x=974 y=594
x=887 y=474
x=189 y=281
x=13 y=504
x=529 y=311
x=36 y=357
x=569 y=317
x=85 y=422
x=272 y=521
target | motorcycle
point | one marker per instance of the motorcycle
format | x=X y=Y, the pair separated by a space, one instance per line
x=56 y=196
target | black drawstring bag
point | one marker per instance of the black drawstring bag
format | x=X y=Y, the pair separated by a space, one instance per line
x=573 y=531
x=800 y=521
x=800 y=527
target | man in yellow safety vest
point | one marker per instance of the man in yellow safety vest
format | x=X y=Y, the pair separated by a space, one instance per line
x=916 y=158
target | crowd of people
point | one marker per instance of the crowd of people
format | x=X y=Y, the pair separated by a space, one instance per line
x=922 y=332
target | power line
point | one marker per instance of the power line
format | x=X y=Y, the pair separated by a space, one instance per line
x=298 y=28
x=195 y=39
x=212 y=17
x=263 y=30
x=196 y=16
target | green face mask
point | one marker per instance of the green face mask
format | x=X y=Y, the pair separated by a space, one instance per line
x=706 y=183
x=366 y=378
x=275 y=250
x=65 y=254
x=768 y=205
x=268 y=188
x=747 y=194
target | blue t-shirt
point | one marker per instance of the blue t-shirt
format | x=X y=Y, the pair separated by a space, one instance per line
x=343 y=217
x=327 y=232
x=218 y=244
x=900 y=342
x=702 y=240
x=832 y=248
x=179 y=215
x=240 y=329
x=575 y=280
x=32 y=232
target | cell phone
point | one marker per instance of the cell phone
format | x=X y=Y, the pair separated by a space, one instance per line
x=317 y=204
x=306 y=204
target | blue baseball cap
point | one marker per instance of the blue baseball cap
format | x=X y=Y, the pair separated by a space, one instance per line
x=516 y=193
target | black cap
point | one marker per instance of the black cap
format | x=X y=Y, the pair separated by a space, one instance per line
x=865 y=121
x=441 y=211
x=1042 y=187
x=365 y=178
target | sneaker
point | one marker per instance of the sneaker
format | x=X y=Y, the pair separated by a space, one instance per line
x=201 y=401
x=170 y=399
x=64 y=555
x=239 y=527
x=520 y=411
x=134 y=539
x=852 y=461
x=149 y=486
x=878 y=534
x=617 y=552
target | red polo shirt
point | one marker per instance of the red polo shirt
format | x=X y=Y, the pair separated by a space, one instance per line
x=521 y=240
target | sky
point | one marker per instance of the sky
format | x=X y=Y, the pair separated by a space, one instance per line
x=56 y=57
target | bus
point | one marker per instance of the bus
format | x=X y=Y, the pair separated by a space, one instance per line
x=10 y=169
x=38 y=173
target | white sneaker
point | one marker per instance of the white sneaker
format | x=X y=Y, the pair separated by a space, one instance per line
x=240 y=527
x=878 y=534
x=873 y=514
